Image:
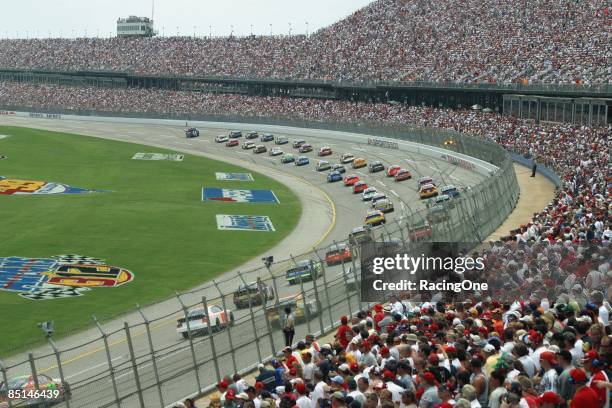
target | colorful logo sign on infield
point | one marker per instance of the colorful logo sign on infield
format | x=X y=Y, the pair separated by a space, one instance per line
x=59 y=276
x=3 y=136
x=32 y=187
x=244 y=223
x=234 y=176
x=239 y=196
x=158 y=156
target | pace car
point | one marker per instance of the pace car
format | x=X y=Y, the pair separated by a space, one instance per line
x=267 y=137
x=347 y=158
x=302 y=161
x=221 y=138
x=275 y=151
x=350 y=180
x=287 y=158
x=333 y=177
x=392 y=170
x=324 y=151
x=323 y=165
x=376 y=166
x=248 y=145
x=232 y=143
x=199 y=321
x=359 y=187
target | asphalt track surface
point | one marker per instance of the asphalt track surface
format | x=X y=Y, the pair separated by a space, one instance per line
x=330 y=212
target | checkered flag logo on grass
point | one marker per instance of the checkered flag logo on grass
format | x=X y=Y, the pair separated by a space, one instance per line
x=54 y=293
x=74 y=259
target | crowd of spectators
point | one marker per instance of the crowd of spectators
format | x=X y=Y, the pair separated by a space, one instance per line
x=499 y=41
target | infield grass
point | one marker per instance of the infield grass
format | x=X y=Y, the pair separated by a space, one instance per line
x=152 y=223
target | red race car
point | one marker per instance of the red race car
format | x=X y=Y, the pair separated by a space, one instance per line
x=350 y=180
x=325 y=151
x=392 y=170
x=403 y=174
x=338 y=254
x=232 y=142
x=359 y=186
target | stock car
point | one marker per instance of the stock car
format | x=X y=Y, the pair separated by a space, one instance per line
x=338 y=254
x=280 y=140
x=298 y=143
x=51 y=391
x=402 y=175
x=450 y=191
x=359 y=187
x=260 y=149
x=392 y=170
x=235 y=134
x=191 y=132
x=374 y=218
x=267 y=137
x=376 y=166
x=302 y=310
x=350 y=180
x=427 y=191
x=323 y=165
x=255 y=292
x=347 y=158
x=359 y=163
x=221 y=138
x=199 y=321
x=302 y=161
x=437 y=214
x=441 y=199
x=377 y=197
x=368 y=193
x=248 y=145
x=305 y=148
x=324 y=151
x=420 y=232
x=305 y=270
x=232 y=143
x=339 y=168
x=426 y=180
x=275 y=151
x=333 y=177
x=287 y=158
x=360 y=235
x=384 y=206
x=252 y=135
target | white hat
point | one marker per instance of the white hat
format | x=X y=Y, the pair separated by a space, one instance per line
x=489 y=348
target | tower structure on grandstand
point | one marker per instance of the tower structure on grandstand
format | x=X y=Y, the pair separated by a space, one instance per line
x=135 y=27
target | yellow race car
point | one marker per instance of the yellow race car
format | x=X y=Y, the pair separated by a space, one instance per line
x=427 y=191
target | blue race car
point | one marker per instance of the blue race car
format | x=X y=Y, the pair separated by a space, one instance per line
x=267 y=137
x=302 y=161
x=334 y=176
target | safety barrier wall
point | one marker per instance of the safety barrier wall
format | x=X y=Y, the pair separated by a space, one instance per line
x=147 y=363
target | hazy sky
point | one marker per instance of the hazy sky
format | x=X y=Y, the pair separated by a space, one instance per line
x=68 y=18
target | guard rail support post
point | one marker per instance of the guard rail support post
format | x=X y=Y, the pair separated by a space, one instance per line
x=190 y=338
x=5 y=380
x=152 y=351
x=264 y=303
x=34 y=373
x=211 y=337
x=111 y=369
x=59 y=367
x=128 y=336
x=306 y=308
x=229 y=327
x=252 y=319
x=318 y=298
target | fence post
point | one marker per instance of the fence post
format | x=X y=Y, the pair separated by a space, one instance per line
x=189 y=337
x=229 y=327
x=306 y=309
x=211 y=337
x=252 y=320
x=5 y=381
x=34 y=373
x=357 y=281
x=126 y=327
x=111 y=369
x=276 y=292
x=317 y=298
x=346 y=286
x=59 y=367
x=152 y=351
x=264 y=300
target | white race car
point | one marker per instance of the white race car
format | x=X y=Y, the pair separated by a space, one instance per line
x=221 y=138
x=368 y=193
x=197 y=321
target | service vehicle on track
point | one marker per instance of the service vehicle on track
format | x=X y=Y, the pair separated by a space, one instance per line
x=337 y=254
x=221 y=139
x=235 y=134
x=248 y=145
x=384 y=206
x=359 y=163
x=333 y=177
x=402 y=175
x=427 y=191
x=254 y=292
x=275 y=151
x=360 y=235
x=392 y=170
x=350 y=180
x=281 y=140
x=347 y=158
x=374 y=218
x=339 y=168
x=298 y=143
x=359 y=187
x=199 y=320
x=376 y=166
x=368 y=193
x=450 y=191
x=260 y=149
x=232 y=143
x=302 y=161
x=306 y=270
x=324 y=151
x=252 y=135
x=302 y=310
x=305 y=148
x=323 y=165
x=267 y=137
x=287 y=158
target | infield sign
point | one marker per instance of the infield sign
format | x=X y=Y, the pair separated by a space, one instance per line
x=234 y=176
x=239 y=196
x=244 y=223
x=158 y=156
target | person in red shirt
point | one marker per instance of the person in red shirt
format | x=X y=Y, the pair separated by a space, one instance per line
x=341 y=333
x=584 y=397
x=378 y=316
x=594 y=365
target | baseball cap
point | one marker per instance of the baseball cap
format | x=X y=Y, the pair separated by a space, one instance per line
x=429 y=377
x=243 y=395
x=549 y=356
x=590 y=355
x=388 y=374
x=489 y=348
x=338 y=379
x=230 y=394
x=550 y=397
x=222 y=384
x=343 y=367
x=259 y=385
x=578 y=375
x=338 y=395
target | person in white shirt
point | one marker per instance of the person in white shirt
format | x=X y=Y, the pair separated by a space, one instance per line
x=320 y=387
x=303 y=401
x=354 y=392
x=548 y=381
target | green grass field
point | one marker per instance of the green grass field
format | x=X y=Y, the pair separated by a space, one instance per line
x=152 y=223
